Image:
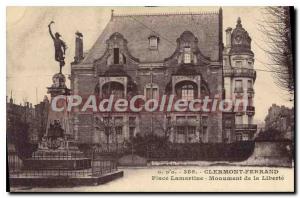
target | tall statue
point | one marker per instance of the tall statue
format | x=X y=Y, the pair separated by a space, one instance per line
x=60 y=47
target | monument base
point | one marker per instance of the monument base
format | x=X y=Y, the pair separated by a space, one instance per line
x=65 y=156
x=67 y=181
x=56 y=164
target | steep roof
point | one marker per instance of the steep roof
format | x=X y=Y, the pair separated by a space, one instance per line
x=244 y=45
x=136 y=29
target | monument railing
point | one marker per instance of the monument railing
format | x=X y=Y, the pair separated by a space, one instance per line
x=97 y=167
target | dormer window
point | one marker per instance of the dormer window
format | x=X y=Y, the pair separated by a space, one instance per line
x=153 y=42
x=116 y=56
x=238 y=63
x=187 y=56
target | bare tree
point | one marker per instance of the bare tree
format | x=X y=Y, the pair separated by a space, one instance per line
x=277 y=28
x=108 y=125
x=165 y=126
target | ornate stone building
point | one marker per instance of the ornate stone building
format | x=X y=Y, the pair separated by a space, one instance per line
x=239 y=77
x=155 y=55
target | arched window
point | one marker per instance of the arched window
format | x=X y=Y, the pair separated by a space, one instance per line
x=113 y=88
x=187 y=56
x=186 y=90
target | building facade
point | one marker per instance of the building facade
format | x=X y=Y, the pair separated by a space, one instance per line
x=239 y=77
x=155 y=55
x=26 y=119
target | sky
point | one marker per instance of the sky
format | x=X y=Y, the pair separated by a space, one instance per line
x=30 y=51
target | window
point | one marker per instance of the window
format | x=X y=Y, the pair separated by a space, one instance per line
x=249 y=63
x=168 y=120
x=192 y=118
x=187 y=92
x=238 y=119
x=131 y=132
x=132 y=121
x=116 y=56
x=151 y=91
x=226 y=137
x=228 y=123
x=186 y=129
x=118 y=120
x=107 y=131
x=191 y=130
x=153 y=41
x=106 y=120
x=250 y=84
x=119 y=130
x=191 y=133
x=250 y=101
x=204 y=134
x=187 y=55
x=153 y=94
x=250 y=119
x=204 y=120
x=180 y=130
x=238 y=137
x=168 y=123
x=113 y=88
x=117 y=93
x=238 y=63
x=238 y=86
x=245 y=137
x=180 y=118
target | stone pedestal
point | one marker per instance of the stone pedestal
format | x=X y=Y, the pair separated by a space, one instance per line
x=57 y=149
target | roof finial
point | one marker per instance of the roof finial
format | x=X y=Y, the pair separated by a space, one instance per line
x=112 y=14
x=11 y=99
x=79 y=34
x=239 y=22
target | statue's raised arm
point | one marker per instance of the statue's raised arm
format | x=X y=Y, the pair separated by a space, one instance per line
x=50 y=31
x=59 y=46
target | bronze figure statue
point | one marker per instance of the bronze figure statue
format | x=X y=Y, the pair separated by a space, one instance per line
x=60 y=47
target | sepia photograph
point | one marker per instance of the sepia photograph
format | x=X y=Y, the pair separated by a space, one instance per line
x=150 y=99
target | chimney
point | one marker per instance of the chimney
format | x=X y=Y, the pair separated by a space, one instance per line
x=112 y=15
x=78 y=47
x=11 y=101
x=228 y=37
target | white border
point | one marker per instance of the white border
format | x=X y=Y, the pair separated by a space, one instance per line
x=5 y=3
